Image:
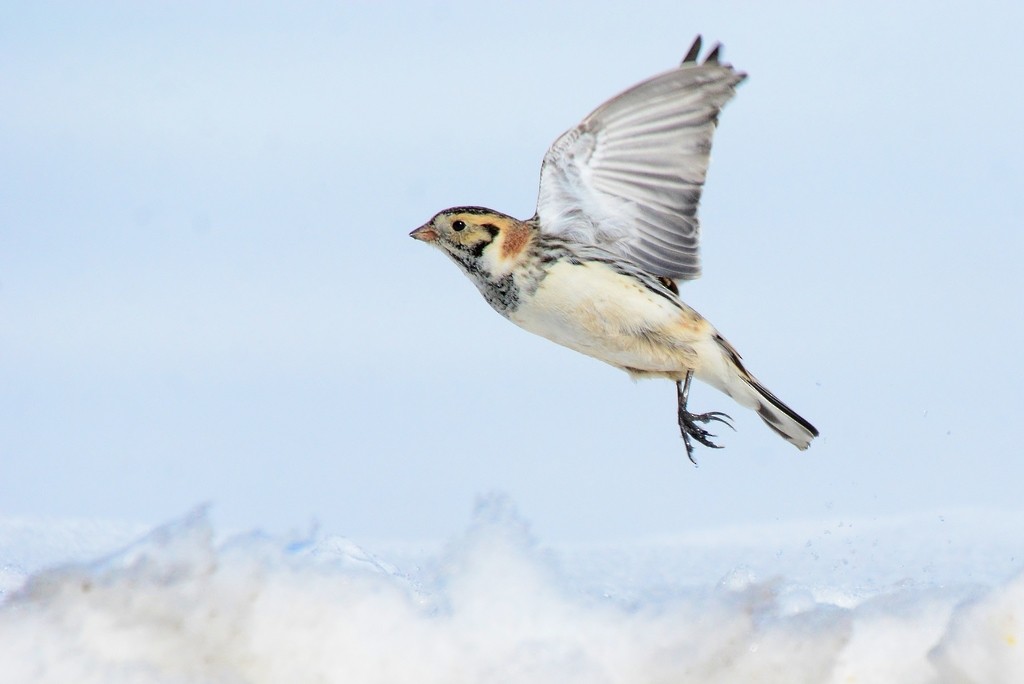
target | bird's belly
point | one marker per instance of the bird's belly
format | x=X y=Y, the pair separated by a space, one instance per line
x=593 y=309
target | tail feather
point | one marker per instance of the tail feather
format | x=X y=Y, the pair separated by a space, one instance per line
x=782 y=419
x=745 y=389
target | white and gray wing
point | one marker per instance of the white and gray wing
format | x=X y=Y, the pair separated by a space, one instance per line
x=628 y=178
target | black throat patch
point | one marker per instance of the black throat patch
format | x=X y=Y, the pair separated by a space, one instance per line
x=501 y=293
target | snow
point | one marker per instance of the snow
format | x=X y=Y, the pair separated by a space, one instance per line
x=919 y=599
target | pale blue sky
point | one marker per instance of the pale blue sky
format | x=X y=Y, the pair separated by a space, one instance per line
x=207 y=292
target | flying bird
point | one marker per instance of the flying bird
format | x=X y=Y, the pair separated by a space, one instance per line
x=597 y=268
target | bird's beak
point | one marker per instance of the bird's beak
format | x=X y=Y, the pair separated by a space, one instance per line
x=426 y=233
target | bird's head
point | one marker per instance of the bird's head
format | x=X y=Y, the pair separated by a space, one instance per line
x=482 y=241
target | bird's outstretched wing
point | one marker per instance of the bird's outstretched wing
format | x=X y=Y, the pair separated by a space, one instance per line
x=628 y=178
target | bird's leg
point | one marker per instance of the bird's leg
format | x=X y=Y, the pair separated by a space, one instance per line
x=688 y=421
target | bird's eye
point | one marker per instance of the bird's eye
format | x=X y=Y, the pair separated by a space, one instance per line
x=458 y=225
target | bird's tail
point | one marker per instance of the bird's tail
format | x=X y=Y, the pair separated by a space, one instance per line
x=745 y=389
x=779 y=417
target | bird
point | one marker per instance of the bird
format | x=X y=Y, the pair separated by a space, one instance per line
x=597 y=268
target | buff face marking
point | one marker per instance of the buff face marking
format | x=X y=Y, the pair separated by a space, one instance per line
x=597 y=268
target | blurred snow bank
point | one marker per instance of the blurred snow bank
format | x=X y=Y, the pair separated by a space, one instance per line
x=180 y=606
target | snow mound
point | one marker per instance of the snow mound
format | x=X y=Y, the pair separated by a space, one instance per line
x=181 y=606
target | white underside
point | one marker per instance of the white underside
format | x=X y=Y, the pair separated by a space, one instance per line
x=598 y=312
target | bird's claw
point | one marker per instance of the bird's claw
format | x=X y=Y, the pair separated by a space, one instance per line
x=688 y=421
x=688 y=428
x=718 y=416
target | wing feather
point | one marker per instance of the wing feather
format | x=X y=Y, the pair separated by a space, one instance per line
x=629 y=177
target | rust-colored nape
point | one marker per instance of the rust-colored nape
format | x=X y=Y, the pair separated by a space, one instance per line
x=516 y=237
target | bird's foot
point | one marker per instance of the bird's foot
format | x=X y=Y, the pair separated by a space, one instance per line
x=688 y=427
x=688 y=421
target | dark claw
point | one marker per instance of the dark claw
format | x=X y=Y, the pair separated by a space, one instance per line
x=688 y=428
x=688 y=422
x=723 y=418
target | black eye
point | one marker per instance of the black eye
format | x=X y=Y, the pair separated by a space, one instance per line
x=458 y=225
